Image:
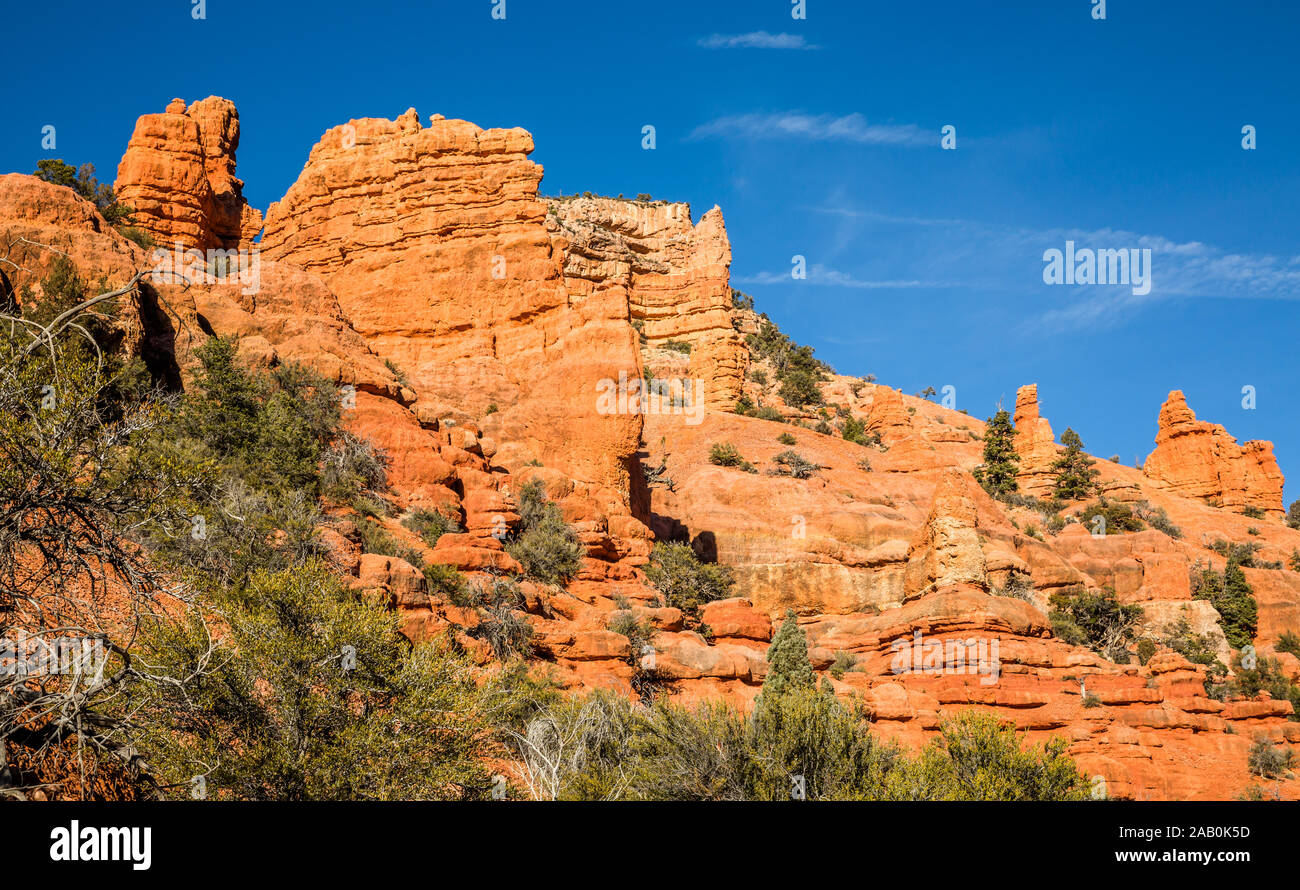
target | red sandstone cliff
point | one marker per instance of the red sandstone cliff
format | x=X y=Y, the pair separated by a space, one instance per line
x=672 y=275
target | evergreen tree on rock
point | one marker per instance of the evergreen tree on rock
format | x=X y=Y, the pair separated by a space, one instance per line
x=997 y=474
x=1075 y=475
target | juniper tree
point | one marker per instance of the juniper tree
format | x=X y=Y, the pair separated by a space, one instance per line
x=1232 y=597
x=1074 y=470
x=787 y=659
x=997 y=474
x=313 y=694
x=82 y=181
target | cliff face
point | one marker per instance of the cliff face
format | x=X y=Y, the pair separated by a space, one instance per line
x=429 y=247
x=435 y=242
x=672 y=275
x=178 y=174
x=1202 y=460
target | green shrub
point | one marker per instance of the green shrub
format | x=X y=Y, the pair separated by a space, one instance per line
x=767 y=412
x=501 y=623
x=799 y=388
x=447 y=581
x=371 y=507
x=639 y=632
x=844 y=662
x=1196 y=648
x=1019 y=586
x=798 y=372
x=376 y=539
x=1146 y=649
x=787 y=659
x=1158 y=519
x=1289 y=642
x=1242 y=554
x=274 y=427
x=138 y=236
x=686 y=583
x=601 y=747
x=724 y=454
x=854 y=430
x=82 y=181
x=351 y=466
x=1269 y=760
x=1116 y=517
x=786 y=439
x=979 y=757
x=431 y=525
x=795 y=465
x=398 y=374
x=1266 y=676
x=544 y=544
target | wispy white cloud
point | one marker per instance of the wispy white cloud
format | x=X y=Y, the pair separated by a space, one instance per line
x=1008 y=261
x=853 y=128
x=822 y=275
x=756 y=40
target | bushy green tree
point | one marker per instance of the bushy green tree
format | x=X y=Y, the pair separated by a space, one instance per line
x=1232 y=597
x=799 y=387
x=979 y=757
x=686 y=582
x=82 y=181
x=797 y=370
x=271 y=428
x=997 y=474
x=854 y=430
x=1095 y=619
x=1268 y=759
x=788 y=666
x=1076 y=477
x=1268 y=676
x=795 y=465
x=311 y=693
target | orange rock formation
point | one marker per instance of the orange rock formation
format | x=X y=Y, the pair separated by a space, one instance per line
x=1197 y=459
x=178 y=175
x=673 y=276
x=1035 y=445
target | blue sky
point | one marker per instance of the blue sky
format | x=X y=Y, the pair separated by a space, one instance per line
x=820 y=137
